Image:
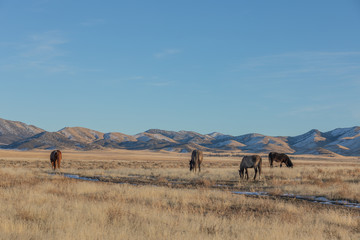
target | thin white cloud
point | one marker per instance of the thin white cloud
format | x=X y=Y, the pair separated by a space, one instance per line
x=42 y=51
x=303 y=65
x=167 y=52
x=45 y=45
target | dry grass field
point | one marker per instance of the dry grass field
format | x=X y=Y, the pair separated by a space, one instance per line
x=152 y=195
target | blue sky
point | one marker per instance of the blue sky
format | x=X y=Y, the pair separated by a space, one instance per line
x=278 y=68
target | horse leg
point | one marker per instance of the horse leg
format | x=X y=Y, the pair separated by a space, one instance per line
x=255 y=172
x=271 y=163
x=241 y=173
x=247 y=174
x=259 y=171
x=58 y=163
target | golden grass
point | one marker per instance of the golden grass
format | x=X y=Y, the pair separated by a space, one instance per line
x=37 y=205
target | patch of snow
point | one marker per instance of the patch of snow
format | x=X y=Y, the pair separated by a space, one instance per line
x=81 y=178
x=79 y=145
x=68 y=135
x=147 y=137
x=95 y=134
x=340 y=131
x=309 y=140
x=255 y=141
x=161 y=137
x=110 y=136
x=142 y=138
x=217 y=135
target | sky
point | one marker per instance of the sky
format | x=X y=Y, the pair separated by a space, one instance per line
x=279 y=68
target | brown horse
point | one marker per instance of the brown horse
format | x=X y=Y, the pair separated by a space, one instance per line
x=196 y=160
x=280 y=157
x=253 y=161
x=55 y=159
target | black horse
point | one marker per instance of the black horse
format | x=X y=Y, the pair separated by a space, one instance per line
x=280 y=157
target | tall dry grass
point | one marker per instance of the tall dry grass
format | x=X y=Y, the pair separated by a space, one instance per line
x=332 y=182
x=36 y=205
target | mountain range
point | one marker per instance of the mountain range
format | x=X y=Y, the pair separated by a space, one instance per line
x=340 y=141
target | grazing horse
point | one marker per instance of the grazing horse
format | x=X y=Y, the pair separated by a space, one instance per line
x=253 y=161
x=55 y=159
x=280 y=157
x=196 y=160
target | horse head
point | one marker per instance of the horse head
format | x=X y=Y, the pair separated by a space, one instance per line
x=241 y=173
x=192 y=164
x=289 y=163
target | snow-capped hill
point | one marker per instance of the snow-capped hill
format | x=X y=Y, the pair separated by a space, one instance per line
x=191 y=136
x=142 y=137
x=81 y=134
x=183 y=136
x=145 y=137
x=347 y=143
x=50 y=141
x=311 y=139
x=17 y=135
x=260 y=143
x=11 y=131
x=169 y=134
x=228 y=144
x=119 y=137
x=343 y=132
x=249 y=138
x=218 y=136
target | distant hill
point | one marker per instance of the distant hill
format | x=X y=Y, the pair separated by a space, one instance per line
x=340 y=141
x=11 y=131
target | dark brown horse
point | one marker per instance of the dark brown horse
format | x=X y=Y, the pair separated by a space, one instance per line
x=281 y=158
x=253 y=161
x=55 y=159
x=196 y=160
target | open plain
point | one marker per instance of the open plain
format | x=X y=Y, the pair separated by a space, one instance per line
x=124 y=194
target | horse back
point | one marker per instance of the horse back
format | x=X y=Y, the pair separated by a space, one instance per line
x=277 y=157
x=55 y=155
x=197 y=156
x=250 y=161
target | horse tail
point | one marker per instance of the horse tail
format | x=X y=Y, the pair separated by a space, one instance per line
x=59 y=157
